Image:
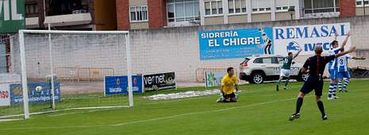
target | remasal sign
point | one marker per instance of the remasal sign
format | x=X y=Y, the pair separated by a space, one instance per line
x=292 y=38
x=11 y=15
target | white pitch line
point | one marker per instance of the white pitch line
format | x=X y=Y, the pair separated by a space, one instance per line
x=62 y=110
x=149 y=120
x=7 y=120
x=62 y=114
x=203 y=112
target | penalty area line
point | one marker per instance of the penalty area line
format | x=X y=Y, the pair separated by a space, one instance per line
x=150 y=120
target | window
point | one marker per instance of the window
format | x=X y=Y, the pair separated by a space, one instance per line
x=213 y=8
x=261 y=5
x=230 y=6
x=321 y=6
x=138 y=13
x=282 y=5
x=258 y=60
x=263 y=60
x=243 y=6
x=31 y=9
x=267 y=60
x=280 y=60
x=183 y=10
x=360 y=3
x=170 y=9
x=60 y=7
x=236 y=6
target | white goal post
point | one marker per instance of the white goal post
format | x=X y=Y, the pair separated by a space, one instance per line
x=49 y=32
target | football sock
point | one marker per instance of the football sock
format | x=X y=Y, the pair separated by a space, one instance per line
x=299 y=104
x=321 y=107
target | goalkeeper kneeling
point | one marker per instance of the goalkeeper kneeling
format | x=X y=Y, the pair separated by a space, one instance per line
x=229 y=87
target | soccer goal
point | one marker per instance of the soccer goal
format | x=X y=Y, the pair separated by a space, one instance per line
x=66 y=70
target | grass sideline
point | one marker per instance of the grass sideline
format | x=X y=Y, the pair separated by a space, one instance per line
x=260 y=110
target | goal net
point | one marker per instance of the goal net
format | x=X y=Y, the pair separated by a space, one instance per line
x=66 y=70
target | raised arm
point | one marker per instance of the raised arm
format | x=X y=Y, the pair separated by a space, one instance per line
x=346 y=39
x=346 y=52
x=297 y=54
x=335 y=37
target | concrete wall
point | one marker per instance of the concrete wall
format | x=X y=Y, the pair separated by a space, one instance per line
x=214 y=20
x=139 y=25
x=177 y=49
x=164 y=50
x=360 y=11
x=87 y=54
x=137 y=2
x=237 y=18
x=283 y=16
x=261 y=17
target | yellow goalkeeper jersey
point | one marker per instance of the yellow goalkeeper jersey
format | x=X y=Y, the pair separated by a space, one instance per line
x=228 y=84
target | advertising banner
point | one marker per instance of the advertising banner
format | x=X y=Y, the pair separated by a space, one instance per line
x=160 y=81
x=119 y=84
x=239 y=43
x=4 y=95
x=213 y=79
x=292 y=38
x=39 y=92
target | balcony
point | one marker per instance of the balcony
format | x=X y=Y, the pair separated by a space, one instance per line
x=32 y=22
x=321 y=15
x=326 y=12
x=69 y=19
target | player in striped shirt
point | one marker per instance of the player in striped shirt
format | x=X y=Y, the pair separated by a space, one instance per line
x=343 y=71
x=332 y=67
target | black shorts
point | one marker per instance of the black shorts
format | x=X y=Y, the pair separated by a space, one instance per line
x=313 y=83
x=227 y=96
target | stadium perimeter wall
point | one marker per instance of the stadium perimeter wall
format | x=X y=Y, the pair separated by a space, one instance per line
x=177 y=49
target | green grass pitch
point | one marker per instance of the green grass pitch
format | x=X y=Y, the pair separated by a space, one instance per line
x=260 y=111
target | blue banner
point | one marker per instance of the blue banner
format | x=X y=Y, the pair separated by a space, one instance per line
x=119 y=84
x=240 y=43
x=39 y=92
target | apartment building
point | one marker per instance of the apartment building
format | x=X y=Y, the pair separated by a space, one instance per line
x=71 y=14
x=144 y=14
